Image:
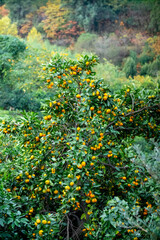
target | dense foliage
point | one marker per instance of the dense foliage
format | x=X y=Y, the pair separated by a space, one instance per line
x=10 y=47
x=74 y=173
x=8 y=28
x=19 y=8
x=20 y=70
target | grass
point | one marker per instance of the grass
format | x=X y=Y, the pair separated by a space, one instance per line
x=6 y=114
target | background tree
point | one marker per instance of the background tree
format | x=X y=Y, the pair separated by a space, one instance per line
x=34 y=35
x=19 y=8
x=3 y=11
x=69 y=32
x=90 y=13
x=10 y=48
x=93 y=15
x=130 y=67
x=154 y=25
x=56 y=16
x=8 y=28
x=2 y=2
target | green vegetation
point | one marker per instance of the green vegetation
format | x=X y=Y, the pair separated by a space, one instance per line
x=20 y=86
x=10 y=49
x=4 y=114
x=9 y=114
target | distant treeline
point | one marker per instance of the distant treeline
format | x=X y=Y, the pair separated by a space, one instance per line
x=59 y=18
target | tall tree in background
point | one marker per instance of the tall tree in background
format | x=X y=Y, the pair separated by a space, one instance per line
x=3 y=11
x=8 y=28
x=92 y=14
x=56 y=16
x=20 y=8
x=155 y=17
x=34 y=35
x=2 y=2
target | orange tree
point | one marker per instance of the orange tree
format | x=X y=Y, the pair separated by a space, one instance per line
x=72 y=172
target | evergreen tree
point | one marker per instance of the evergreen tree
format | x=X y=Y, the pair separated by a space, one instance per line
x=91 y=14
x=8 y=28
x=155 y=17
x=20 y=8
x=2 y=2
x=130 y=67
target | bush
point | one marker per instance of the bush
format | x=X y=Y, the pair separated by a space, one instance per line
x=10 y=47
x=13 y=224
x=146 y=82
x=113 y=77
x=151 y=68
x=70 y=168
x=8 y=28
x=144 y=58
x=130 y=67
x=154 y=67
x=24 y=74
x=34 y=36
x=86 y=41
x=18 y=99
x=119 y=215
x=108 y=47
x=145 y=69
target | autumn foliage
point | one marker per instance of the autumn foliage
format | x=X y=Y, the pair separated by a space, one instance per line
x=3 y=11
x=55 y=18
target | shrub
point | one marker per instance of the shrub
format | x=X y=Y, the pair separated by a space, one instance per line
x=154 y=67
x=8 y=28
x=146 y=82
x=145 y=69
x=133 y=55
x=24 y=74
x=145 y=58
x=18 y=99
x=69 y=167
x=108 y=47
x=151 y=68
x=119 y=215
x=86 y=41
x=34 y=36
x=10 y=47
x=113 y=77
x=130 y=67
x=13 y=224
